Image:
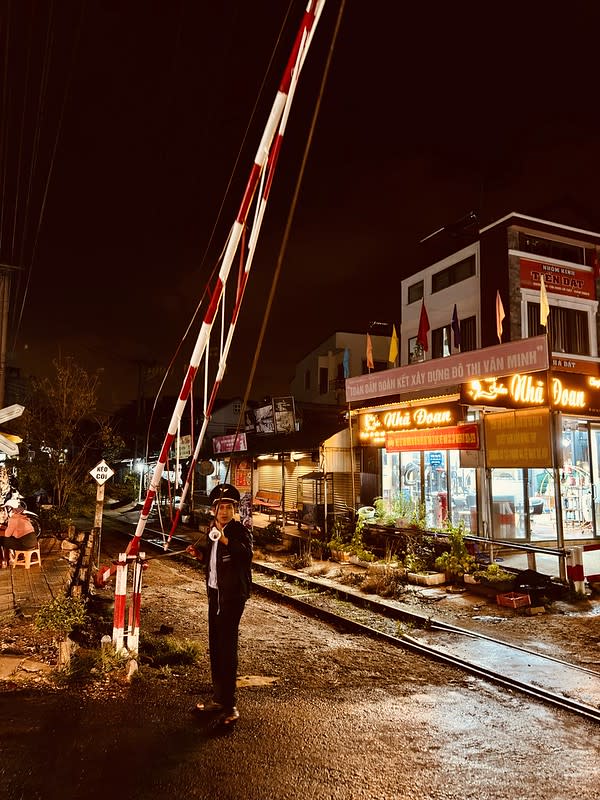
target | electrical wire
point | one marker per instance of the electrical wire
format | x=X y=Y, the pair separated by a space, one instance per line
x=217 y=220
x=74 y=53
x=290 y=217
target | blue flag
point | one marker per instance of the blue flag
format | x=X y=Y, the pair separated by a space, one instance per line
x=456 y=328
x=346 y=363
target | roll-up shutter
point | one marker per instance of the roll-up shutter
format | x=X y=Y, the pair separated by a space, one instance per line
x=293 y=471
x=269 y=476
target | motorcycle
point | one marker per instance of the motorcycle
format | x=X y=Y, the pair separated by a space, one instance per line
x=33 y=518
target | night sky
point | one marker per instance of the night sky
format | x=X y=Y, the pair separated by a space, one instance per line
x=115 y=172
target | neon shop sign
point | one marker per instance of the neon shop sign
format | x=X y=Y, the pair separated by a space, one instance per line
x=375 y=425
x=527 y=390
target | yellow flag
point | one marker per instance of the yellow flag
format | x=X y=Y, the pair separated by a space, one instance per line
x=393 y=354
x=499 y=316
x=544 y=307
x=370 y=363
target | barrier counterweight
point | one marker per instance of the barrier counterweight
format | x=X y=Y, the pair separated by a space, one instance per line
x=129 y=637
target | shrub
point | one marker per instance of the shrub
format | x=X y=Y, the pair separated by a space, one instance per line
x=61 y=615
x=493 y=573
x=271 y=534
x=385 y=583
x=455 y=561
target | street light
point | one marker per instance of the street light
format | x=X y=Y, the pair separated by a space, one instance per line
x=140 y=467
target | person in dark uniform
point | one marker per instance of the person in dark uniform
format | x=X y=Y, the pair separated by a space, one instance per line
x=228 y=560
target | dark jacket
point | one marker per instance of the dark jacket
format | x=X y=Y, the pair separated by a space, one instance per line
x=234 y=560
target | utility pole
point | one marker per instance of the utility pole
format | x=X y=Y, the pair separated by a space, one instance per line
x=5 y=274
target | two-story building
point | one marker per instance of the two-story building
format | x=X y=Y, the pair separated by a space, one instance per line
x=493 y=418
x=320 y=376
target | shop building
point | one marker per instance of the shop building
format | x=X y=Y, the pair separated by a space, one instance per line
x=496 y=422
x=296 y=456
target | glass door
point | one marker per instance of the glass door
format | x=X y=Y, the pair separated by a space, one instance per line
x=595 y=477
x=509 y=504
x=576 y=479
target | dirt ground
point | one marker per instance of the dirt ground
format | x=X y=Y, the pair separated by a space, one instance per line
x=325 y=715
x=174 y=601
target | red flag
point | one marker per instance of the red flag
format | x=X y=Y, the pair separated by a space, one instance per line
x=370 y=364
x=423 y=328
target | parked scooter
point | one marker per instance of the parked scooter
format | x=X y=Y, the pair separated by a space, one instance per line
x=31 y=515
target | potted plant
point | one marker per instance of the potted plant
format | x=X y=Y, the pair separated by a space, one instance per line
x=419 y=562
x=494 y=580
x=401 y=512
x=339 y=543
x=316 y=547
x=382 y=515
x=359 y=553
x=456 y=561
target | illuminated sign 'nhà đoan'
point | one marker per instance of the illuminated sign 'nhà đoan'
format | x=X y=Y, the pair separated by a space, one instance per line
x=566 y=392
x=374 y=425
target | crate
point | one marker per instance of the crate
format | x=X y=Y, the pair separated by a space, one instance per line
x=513 y=600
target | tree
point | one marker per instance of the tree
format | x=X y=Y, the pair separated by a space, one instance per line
x=60 y=428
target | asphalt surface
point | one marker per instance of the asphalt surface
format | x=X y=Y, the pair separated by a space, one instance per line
x=325 y=715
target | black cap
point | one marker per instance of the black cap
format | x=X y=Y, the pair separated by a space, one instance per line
x=224 y=491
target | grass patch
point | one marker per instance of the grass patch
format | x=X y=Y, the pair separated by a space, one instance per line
x=162 y=651
x=87 y=665
x=384 y=582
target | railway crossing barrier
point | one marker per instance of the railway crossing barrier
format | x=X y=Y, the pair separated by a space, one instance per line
x=586 y=549
x=129 y=636
x=575 y=572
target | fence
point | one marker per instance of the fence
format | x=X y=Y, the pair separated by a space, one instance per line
x=564 y=563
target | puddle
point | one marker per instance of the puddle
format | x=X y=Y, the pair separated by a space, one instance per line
x=257 y=680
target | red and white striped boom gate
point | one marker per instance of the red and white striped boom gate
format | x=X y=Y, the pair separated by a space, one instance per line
x=128 y=637
x=261 y=178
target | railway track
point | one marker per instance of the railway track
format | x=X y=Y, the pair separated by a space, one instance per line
x=550 y=680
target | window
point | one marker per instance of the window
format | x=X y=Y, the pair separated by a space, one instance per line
x=307 y=379
x=455 y=273
x=415 y=292
x=567 y=329
x=551 y=248
x=468 y=334
x=415 y=351
x=440 y=342
x=323 y=380
x=237 y=407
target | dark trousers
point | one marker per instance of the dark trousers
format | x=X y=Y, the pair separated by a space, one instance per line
x=223 y=625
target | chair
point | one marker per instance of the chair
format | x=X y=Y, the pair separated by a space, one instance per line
x=25 y=558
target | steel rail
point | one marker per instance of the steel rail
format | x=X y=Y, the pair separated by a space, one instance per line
x=388 y=611
x=407 y=642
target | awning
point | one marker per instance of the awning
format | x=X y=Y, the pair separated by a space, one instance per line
x=310 y=438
